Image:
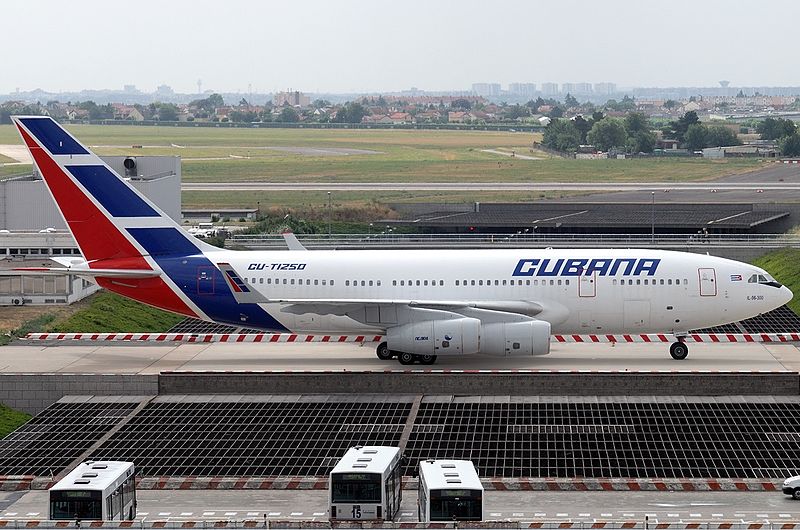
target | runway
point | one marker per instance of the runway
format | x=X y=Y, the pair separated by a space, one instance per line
x=149 y=359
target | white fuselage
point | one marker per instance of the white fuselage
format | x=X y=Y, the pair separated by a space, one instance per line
x=579 y=291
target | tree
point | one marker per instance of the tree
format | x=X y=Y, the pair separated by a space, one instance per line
x=636 y=122
x=350 y=113
x=607 y=133
x=670 y=104
x=209 y=104
x=696 y=136
x=461 y=103
x=677 y=129
x=289 y=115
x=583 y=126
x=321 y=103
x=641 y=142
x=167 y=112
x=570 y=101
x=773 y=129
x=561 y=135
x=517 y=111
x=556 y=112
x=721 y=136
x=790 y=145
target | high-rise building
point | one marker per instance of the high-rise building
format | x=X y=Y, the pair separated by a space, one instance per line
x=527 y=90
x=605 y=89
x=293 y=98
x=486 y=89
x=576 y=88
x=550 y=89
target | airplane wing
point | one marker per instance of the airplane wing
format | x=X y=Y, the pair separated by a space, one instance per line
x=301 y=305
x=292 y=241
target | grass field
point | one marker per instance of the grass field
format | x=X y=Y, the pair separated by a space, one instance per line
x=784 y=265
x=108 y=312
x=400 y=155
x=10 y=420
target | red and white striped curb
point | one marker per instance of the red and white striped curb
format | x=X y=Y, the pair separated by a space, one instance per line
x=492 y=484
x=297 y=338
x=791 y=161
x=653 y=524
x=202 y=337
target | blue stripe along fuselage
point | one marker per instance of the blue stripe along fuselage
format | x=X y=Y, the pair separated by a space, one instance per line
x=50 y=135
x=182 y=261
x=117 y=198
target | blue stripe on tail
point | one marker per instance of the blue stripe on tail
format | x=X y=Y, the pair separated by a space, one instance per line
x=117 y=198
x=53 y=137
x=200 y=279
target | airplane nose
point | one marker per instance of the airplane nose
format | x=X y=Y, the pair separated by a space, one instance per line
x=786 y=294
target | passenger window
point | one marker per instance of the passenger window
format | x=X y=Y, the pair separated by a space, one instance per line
x=417 y=283
x=347 y=283
x=331 y=282
x=316 y=282
x=441 y=283
x=527 y=282
x=504 y=282
x=261 y=280
x=535 y=282
x=323 y=282
x=685 y=281
x=669 y=281
x=638 y=282
x=379 y=283
x=480 y=282
x=425 y=282
x=551 y=282
x=497 y=282
x=370 y=283
x=292 y=282
x=363 y=283
x=456 y=283
x=614 y=282
x=661 y=281
x=559 y=282
x=269 y=281
x=402 y=283
x=284 y=281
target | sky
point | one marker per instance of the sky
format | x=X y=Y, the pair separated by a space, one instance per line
x=356 y=46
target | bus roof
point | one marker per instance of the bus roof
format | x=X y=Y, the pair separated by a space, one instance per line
x=366 y=459
x=94 y=475
x=449 y=474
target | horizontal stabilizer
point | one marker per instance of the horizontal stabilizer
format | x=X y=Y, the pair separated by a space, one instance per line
x=105 y=273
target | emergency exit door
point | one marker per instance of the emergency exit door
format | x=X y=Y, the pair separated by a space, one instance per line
x=708 y=282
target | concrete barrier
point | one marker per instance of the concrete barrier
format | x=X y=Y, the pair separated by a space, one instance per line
x=494 y=383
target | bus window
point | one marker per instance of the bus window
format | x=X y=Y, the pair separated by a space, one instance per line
x=77 y=504
x=356 y=487
x=459 y=505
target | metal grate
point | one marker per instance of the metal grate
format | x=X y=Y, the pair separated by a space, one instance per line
x=682 y=439
x=252 y=438
x=781 y=320
x=50 y=441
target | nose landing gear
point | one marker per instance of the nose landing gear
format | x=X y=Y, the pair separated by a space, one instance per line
x=679 y=350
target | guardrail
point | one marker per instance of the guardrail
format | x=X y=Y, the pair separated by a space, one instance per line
x=525 y=240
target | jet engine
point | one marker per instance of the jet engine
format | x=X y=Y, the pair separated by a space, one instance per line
x=531 y=337
x=436 y=337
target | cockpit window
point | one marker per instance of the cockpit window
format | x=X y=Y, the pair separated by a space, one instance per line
x=764 y=280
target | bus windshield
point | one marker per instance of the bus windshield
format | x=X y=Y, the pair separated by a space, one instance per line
x=356 y=487
x=76 y=505
x=460 y=505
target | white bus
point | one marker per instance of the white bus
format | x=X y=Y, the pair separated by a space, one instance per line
x=449 y=490
x=366 y=484
x=101 y=490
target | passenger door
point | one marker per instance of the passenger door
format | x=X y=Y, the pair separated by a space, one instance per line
x=708 y=282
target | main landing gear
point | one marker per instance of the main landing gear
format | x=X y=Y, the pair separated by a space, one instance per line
x=679 y=350
x=384 y=353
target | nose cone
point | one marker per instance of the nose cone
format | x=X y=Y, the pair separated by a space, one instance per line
x=786 y=295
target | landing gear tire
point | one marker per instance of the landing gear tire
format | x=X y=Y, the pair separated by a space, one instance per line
x=679 y=351
x=406 y=358
x=426 y=359
x=383 y=352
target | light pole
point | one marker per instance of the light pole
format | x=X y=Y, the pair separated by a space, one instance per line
x=653 y=217
x=329 y=215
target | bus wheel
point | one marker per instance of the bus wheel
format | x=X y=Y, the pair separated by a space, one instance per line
x=383 y=352
x=679 y=351
x=427 y=359
x=406 y=358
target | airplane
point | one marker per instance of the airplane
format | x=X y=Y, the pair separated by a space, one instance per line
x=426 y=303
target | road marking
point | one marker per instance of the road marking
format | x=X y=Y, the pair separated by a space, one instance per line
x=627 y=515
x=205 y=514
x=142 y=513
x=784 y=515
x=252 y=514
x=231 y=513
x=274 y=514
x=407 y=514
x=672 y=515
x=32 y=513
x=164 y=513
x=716 y=515
x=319 y=513
x=495 y=514
x=562 y=515
x=11 y=513
x=762 y=515
x=517 y=514
x=296 y=514
x=694 y=515
x=605 y=515
x=186 y=513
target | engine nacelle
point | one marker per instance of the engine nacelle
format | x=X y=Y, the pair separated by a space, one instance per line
x=516 y=338
x=436 y=337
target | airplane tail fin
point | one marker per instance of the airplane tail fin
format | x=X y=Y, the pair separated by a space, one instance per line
x=115 y=226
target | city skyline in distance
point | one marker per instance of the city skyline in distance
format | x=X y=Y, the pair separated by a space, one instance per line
x=353 y=46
